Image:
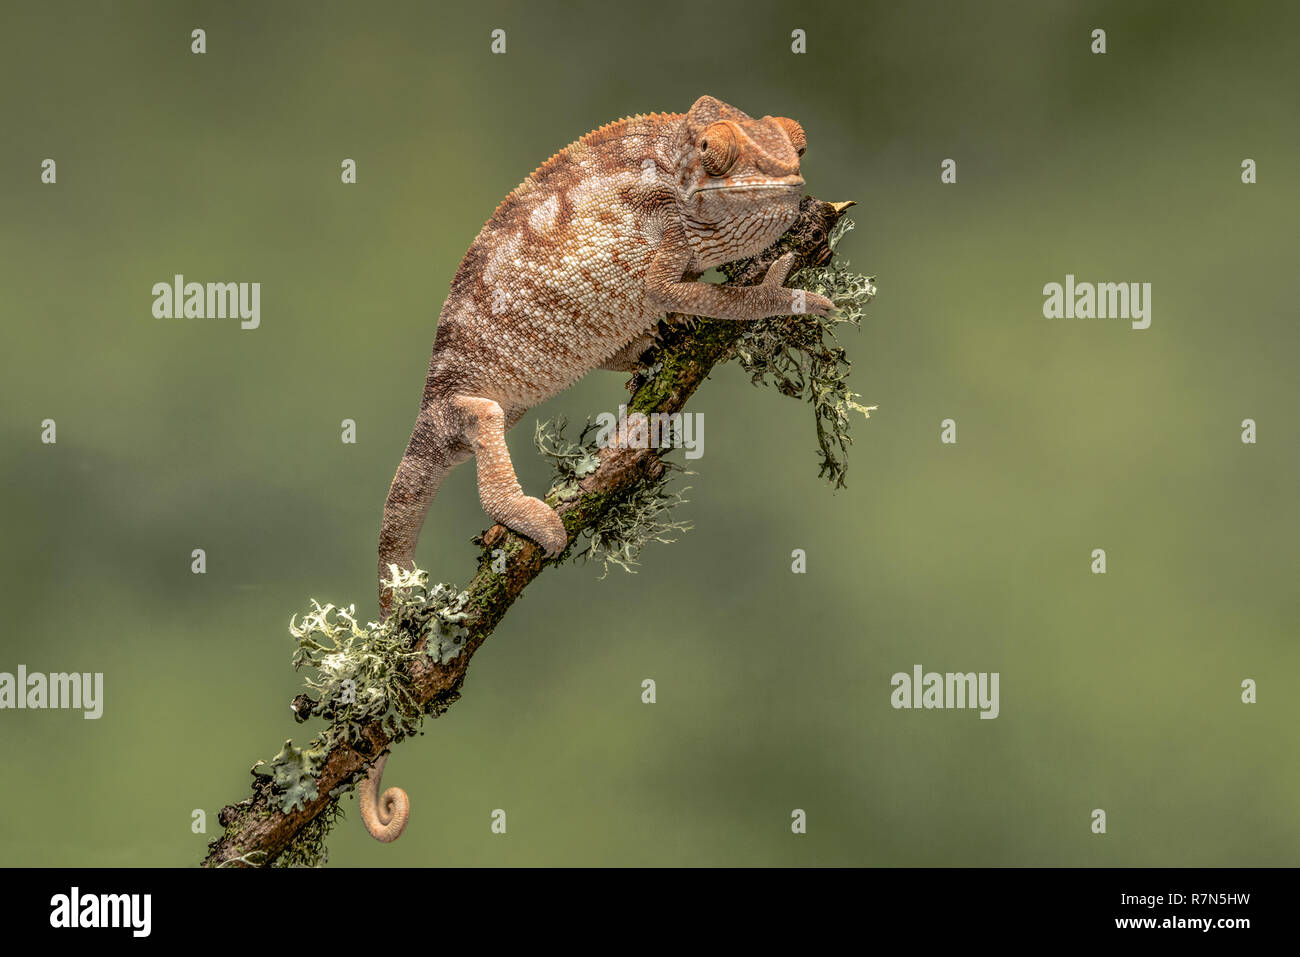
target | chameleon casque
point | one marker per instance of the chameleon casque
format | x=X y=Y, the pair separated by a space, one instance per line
x=572 y=273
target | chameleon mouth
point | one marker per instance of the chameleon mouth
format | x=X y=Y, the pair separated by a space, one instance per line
x=738 y=187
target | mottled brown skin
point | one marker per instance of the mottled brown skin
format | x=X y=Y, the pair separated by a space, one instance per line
x=572 y=273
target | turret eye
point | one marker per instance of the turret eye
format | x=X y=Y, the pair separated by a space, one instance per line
x=719 y=149
x=793 y=130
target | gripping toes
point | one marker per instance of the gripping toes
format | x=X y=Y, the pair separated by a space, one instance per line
x=800 y=301
x=779 y=270
x=811 y=303
x=534 y=518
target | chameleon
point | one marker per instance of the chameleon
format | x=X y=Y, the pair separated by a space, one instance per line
x=572 y=273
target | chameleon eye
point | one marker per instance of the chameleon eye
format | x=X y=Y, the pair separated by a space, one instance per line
x=719 y=149
x=793 y=130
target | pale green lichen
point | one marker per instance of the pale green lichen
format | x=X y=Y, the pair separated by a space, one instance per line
x=416 y=607
x=632 y=520
x=293 y=773
x=573 y=461
x=360 y=671
x=800 y=357
x=359 y=676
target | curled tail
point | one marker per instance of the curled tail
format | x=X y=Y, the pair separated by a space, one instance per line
x=429 y=456
x=385 y=815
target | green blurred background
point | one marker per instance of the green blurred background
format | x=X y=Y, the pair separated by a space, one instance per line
x=1119 y=691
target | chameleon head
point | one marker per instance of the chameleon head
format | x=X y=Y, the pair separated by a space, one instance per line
x=741 y=172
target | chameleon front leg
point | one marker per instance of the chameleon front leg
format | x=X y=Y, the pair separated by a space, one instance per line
x=695 y=298
x=666 y=288
x=752 y=303
x=484 y=429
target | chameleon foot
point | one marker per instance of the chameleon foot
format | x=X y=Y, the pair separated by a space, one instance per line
x=534 y=518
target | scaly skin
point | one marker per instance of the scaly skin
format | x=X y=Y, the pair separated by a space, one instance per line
x=572 y=273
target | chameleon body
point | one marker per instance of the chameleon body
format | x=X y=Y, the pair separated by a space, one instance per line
x=572 y=273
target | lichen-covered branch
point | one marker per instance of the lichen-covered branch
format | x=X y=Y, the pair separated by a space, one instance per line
x=375 y=683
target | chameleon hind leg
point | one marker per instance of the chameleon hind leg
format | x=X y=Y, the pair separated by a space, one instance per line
x=484 y=423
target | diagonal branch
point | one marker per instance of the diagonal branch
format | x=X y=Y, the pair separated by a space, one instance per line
x=257 y=831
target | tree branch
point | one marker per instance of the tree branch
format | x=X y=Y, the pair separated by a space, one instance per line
x=257 y=830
